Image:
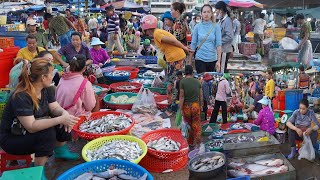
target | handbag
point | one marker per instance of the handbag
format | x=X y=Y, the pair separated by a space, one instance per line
x=78 y=94
x=17 y=128
x=198 y=47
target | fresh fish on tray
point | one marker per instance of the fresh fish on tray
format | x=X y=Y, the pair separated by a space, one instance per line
x=150 y=74
x=107 y=124
x=240 y=139
x=207 y=164
x=116 y=149
x=110 y=174
x=215 y=144
x=119 y=73
x=127 y=87
x=164 y=144
x=257 y=168
x=218 y=133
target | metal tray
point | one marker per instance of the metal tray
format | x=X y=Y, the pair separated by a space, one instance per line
x=253 y=148
x=290 y=175
x=130 y=62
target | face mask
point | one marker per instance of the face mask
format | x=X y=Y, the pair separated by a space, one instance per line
x=198 y=20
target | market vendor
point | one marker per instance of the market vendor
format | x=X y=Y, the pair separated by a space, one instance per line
x=147 y=49
x=191 y=103
x=130 y=43
x=42 y=40
x=265 y=117
x=303 y=81
x=173 y=50
x=31 y=51
x=99 y=55
x=74 y=92
x=70 y=50
x=299 y=123
x=255 y=108
x=270 y=86
x=26 y=125
x=305 y=47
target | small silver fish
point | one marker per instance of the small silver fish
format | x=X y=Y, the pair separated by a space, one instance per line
x=85 y=176
x=164 y=144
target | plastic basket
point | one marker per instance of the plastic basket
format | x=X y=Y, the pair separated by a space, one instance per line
x=116 y=78
x=240 y=178
x=162 y=91
x=111 y=105
x=133 y=71
x=149 y=59
x=293 y=97
x=6 y=42
x=153 y=164
x=115 y=87
x=173 y=134
x=32 y=173
x=214 y=127
x=97 y=143
x=248 y=48
x=103 y=165
x=160 y=98
x=108 y=69
x=98 y=115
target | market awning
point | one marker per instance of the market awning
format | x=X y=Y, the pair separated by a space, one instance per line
x=313 y=70
x=312 y=13
x=128 y=6
x=240 y=3
x=287 y=65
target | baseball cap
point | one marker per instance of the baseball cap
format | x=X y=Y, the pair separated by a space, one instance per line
x=32 y=22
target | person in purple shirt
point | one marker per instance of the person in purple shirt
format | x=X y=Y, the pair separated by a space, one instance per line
x=70 y=50
x=99 y=56
x=265 y=117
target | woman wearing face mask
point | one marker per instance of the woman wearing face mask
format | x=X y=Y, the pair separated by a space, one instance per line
x=226 y=33
x=180 y=27
x=206 y=41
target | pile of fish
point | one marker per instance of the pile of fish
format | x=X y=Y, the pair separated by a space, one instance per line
x=208 y=163
x=257 y=168
x=110 y=174
x=150 y=74
x=119 y=73
x=143 y=81
x=215 y=144
x=218 y=133
x=145 y=108
x=164 y=144
x=116 y=149
x=127 y=87
x=241 y=139
x=107 y=124
x=123 y=99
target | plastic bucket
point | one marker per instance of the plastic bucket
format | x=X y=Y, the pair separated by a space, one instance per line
x=193 y=153
x=293 y=97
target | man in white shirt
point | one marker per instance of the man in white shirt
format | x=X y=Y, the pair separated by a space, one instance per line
x=259 y=26
x=93 y=25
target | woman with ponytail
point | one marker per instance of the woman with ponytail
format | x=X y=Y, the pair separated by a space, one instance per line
x=225 y=22
x=180 y=27
x=26 y=125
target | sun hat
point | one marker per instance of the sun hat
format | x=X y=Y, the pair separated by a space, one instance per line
x=146 y=42
x=167 y=15
x=32 y=22
x=265 y=101
x=207 y=77
x=96 y=41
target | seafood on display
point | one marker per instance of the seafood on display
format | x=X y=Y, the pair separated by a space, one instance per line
x=119 y=73
x=257 y=168
x=237 y=126
x=164 y=144
x=127 y=87
x=215 y=144
x=218 y=133
x=106 y=124
x=208 y=163
x=123 y=99
x=145 y=108
x=241 y=139
x=150 y=74
x=143 y=81
x=110 y=174
x=116 y=149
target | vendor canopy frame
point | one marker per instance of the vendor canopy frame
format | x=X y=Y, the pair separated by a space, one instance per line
x=128 y=6
x=240 y=3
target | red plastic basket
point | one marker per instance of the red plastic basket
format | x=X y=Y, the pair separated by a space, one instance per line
x=95 y=116
x=282 y=95
x=173 y=134
x=153 y=164
x=115 y=87
x=6 y=42
x=160 y=98
x=134 y=71
x=246 y=48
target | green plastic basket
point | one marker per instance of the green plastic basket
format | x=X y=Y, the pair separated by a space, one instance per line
x=33 y=173
x=214 y=126
x=162 y=91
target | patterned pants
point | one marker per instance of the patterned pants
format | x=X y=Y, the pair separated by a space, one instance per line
x=191 y=115
x=172 y=68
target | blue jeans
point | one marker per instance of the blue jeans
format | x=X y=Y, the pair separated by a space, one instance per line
x=65 y=38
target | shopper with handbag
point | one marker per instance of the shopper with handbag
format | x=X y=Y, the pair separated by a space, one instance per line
x=206 y=41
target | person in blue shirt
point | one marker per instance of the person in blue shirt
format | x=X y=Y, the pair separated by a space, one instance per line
x=316 y=91
x=208 y=54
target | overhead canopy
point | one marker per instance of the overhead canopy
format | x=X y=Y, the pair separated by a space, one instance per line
x=313 y=12
x=240 y=3
x=286 y=65
x=288 y=3
x=128 y=6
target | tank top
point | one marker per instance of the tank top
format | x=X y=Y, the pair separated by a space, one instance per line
x=304 y=81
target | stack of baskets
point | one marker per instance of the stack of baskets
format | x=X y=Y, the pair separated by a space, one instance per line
x=6 y=64
x=159 y=161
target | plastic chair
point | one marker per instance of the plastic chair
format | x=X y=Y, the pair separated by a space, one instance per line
x=5 y=158
x=298 y=144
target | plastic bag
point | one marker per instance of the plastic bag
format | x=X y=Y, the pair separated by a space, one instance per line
x=185 y=129
x=15 y=72
x=288 y=43
x=307 y=150
x=178 y=118
x=145 y=102
x=161 y=61
x=157 y=82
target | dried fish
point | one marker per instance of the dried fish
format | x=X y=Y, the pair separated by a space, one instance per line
x=85 y=176
x=116 y=149
x=215 y=144
x=241 y=139
x=119 y=73
x=208 y=163
x=164 y=144
x=106 y=124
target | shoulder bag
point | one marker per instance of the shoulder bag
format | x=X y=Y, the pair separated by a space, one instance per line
x=198 y=47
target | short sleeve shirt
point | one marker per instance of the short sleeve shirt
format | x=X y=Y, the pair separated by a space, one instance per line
x=69 y=52
x=58 y=25
x=305 y=28
x=191 y=87
x=24 y=53
x=21 y=105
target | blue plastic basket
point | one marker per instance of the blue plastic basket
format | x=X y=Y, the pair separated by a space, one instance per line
x=240 y=178
x=116 y=78
x=149 y=59
x=103 y=165
x=293 y=98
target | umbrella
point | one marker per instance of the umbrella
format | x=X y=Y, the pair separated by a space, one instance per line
x=240 y=3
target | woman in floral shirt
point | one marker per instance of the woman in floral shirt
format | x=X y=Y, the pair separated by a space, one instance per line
x=180 y=27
